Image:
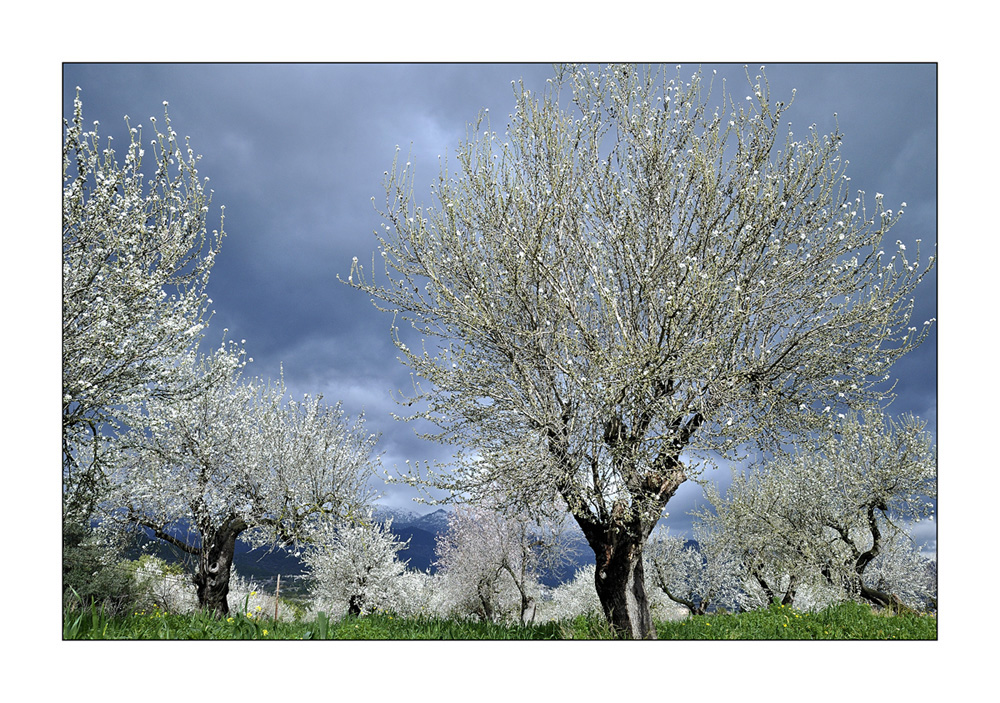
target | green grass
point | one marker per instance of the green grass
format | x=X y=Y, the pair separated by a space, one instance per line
x=847 y=621
x=95 y=624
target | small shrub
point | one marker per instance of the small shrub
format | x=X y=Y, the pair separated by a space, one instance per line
x=90 y=574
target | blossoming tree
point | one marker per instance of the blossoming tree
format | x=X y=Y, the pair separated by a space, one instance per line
x=237 y=460
x=695 y=577
x=136 y=260
x=829 y=515
x=630 y=274
x=355 y=568
x=490 y=562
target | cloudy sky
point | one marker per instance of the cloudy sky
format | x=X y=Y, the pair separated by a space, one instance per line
x=297 y=152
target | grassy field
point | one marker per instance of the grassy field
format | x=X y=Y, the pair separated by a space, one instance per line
x=847 y=621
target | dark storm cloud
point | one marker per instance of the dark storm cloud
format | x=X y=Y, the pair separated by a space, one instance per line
x=296 y=153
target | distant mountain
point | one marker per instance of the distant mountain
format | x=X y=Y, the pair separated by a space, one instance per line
x=264 y=565
x=400 y=516
x=432 y=522
x=421 y=530
x=419 y=553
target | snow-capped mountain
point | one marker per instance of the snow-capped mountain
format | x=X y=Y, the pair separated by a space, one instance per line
x=421 y=530
x=434 y=522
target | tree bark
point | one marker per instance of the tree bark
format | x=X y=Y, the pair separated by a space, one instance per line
x=619 y=577
x=789 y=598
x=484 y=589
x=519 y=582
x=215 y=564
x=872 y=595
x=618 y=535
x=355 y=604
x=618 y=540
x=621 y=588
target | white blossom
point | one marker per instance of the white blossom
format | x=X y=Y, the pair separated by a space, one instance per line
x=825 y=518
x=239 y=460
x=582 y=384
x=124 y=244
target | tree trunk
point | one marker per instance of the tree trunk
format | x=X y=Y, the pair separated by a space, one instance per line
x=520 y=581
x=215 y=563
x=621 y=584
x=484 y=589
x=877 y=597
x=618 y=535
x=872 y=595
x=789 y=598
x=699 y=608
x=355 y=604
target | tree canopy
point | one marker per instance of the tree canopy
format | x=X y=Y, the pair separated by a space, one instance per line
x=238 y=460
x=136 y=261
x=824 y=513
x=631 y=272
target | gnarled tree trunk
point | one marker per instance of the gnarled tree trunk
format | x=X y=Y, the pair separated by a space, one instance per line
x=619 y=577
x=618 y=535
x=215 y=563
x=621 y=588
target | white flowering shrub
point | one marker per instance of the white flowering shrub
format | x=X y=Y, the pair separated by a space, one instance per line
x=573 y=598
x=489 y=563
x=168 y=588
x=420 y=590
x=163 y=586
x=663 y=608
x=902 y=571
x=694 y=579
x=805 y=589
x=356 y=570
